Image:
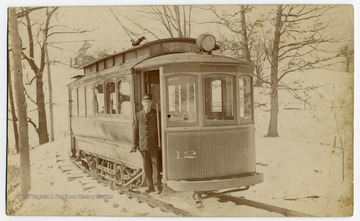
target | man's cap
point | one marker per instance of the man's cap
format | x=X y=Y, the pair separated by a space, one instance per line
x=147 y=97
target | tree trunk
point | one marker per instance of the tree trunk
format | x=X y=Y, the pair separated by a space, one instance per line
x=258 y=82
x=50 y=96
x=245 y=44
x=245 y=40
x=38 y=71
x=40 y=100
x=178 y=20
x=20 y=104
x=12 y=109
x=273 y=130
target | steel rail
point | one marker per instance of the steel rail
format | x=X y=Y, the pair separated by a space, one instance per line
x=140 y=196
x=168 y=207
x=264 y=206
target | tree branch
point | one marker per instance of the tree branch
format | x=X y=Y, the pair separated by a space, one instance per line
x=33 y=124
x=31 y=40
x=69 y=32
x=310 y=66
x=295 y=94
x=28 y=11
x=31 y=62
x=28 y=96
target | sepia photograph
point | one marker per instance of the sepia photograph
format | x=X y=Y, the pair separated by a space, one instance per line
x=180 y=110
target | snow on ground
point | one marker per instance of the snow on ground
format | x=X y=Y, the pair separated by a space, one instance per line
x=302 y=169
x=52 y=194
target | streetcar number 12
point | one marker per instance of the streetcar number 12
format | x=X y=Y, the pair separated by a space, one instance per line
x=185 y=155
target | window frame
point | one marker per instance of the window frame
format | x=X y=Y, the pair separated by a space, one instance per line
x=83 y=114
x=86 y=86
x=117 y=98
x=95 y=109
x=74 y=102
x=251 y=120
x=110 y=115
x=209 y=123
x=172 y=124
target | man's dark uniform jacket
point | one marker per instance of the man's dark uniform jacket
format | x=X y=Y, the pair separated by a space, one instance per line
x=145 y=131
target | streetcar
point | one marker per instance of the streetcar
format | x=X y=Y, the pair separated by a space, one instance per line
x=205 y=102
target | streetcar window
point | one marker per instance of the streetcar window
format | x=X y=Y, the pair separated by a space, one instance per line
x=89 y=100
x=219 y=97
x=74 y=107
x=181 y=100
x=81 y=97
x=216 y=104
x=99 y=98
x=124 y=105
x=245 y=99
x=110 y=98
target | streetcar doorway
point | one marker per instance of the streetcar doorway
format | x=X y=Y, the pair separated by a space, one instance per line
x=147 y=82
x=152 y=86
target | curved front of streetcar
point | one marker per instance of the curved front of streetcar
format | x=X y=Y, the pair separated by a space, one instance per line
x=208 y=140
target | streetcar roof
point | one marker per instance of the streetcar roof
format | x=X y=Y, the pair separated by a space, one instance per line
x=139 y=47
x=190 y=58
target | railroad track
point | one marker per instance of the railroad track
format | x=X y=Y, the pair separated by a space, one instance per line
x=72 y=168
x=260 y=205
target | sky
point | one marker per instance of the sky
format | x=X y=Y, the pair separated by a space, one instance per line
x=112 y=31
x=105 y=32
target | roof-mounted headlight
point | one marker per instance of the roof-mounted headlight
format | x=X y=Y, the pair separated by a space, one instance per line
x=206 y=42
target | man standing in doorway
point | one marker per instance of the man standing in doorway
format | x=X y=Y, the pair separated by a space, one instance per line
x=145 y=130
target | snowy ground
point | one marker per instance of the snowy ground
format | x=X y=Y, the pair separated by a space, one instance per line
x=49 y=180
x=302 y=169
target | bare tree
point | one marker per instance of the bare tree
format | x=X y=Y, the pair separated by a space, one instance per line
x=50 y=94
x=175 y=19
x=20 y=103
x=245 y=45
x=292 y=39
x=274 y=61
x=38 y=69
x=12 y=108
x=38 y=34
x=298 y=43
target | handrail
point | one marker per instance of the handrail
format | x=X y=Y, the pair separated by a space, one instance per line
x=158 y=124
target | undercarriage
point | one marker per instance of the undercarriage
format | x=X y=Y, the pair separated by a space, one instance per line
x=117 y=173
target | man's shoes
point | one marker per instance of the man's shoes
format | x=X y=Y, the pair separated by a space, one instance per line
x=158 y=190
x=149 y=190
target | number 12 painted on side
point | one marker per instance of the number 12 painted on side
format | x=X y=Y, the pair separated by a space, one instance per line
x=179 y=155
